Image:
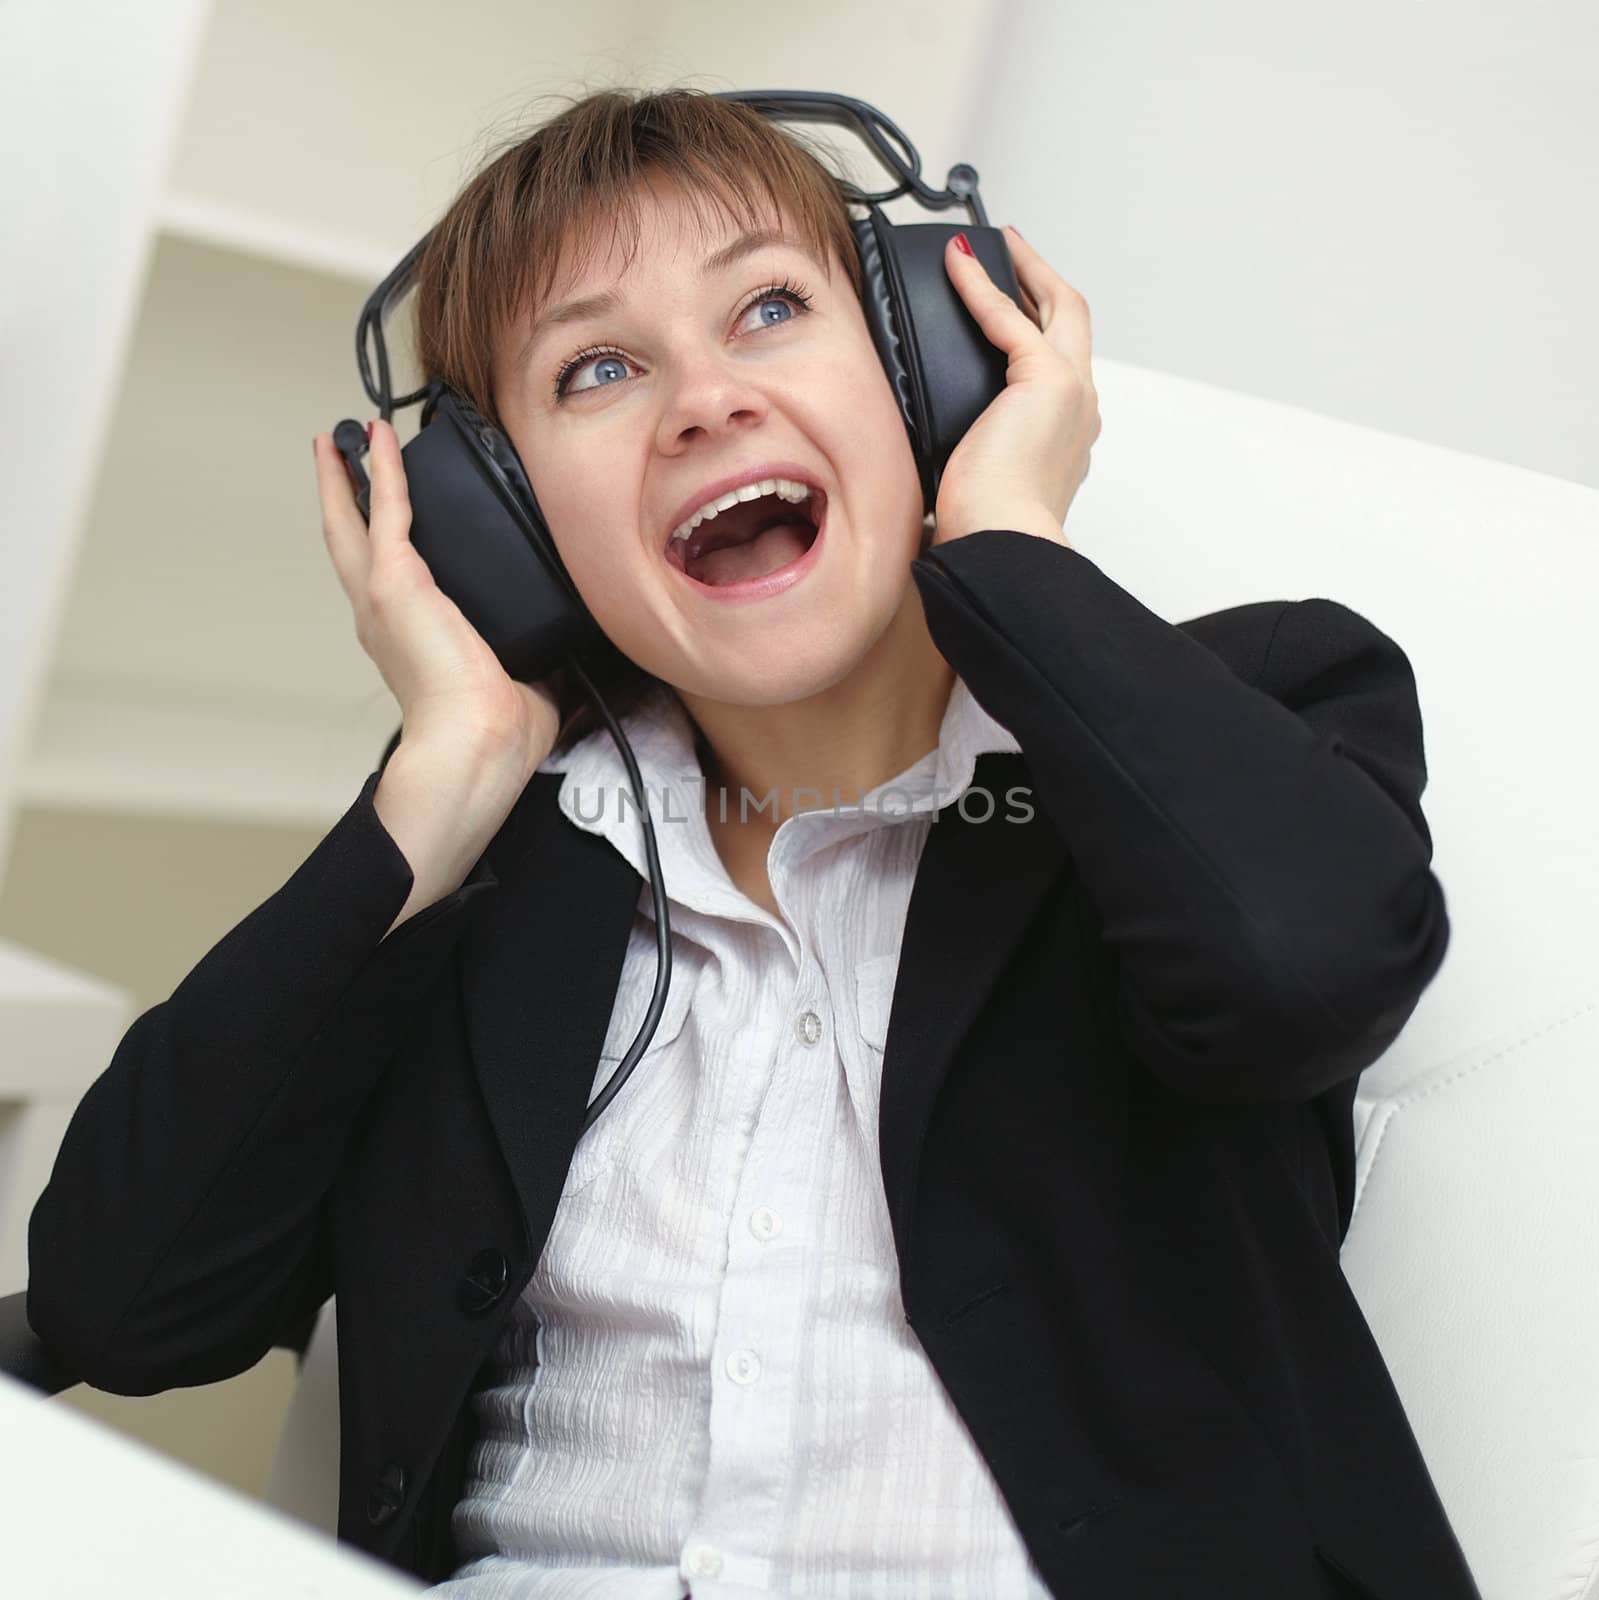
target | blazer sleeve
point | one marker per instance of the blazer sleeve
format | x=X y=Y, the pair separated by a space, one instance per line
x=184 y=1224
x=1241 y=798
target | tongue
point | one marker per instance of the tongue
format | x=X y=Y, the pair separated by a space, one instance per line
x=770 y=549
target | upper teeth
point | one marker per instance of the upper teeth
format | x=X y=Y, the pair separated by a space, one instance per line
x=787 y=488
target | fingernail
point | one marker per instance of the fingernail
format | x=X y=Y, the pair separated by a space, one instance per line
x=369 y=433
x=963 y=244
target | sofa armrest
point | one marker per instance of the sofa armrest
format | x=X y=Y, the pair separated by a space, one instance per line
x=22 y=1353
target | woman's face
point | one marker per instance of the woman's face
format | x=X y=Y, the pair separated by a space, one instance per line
x=709 y=376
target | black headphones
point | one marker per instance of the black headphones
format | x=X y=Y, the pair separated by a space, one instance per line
x=476 y=522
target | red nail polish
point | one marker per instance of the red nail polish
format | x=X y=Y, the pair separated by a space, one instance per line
x=963 y=244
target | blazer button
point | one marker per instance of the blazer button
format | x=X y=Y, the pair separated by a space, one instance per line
x=484 y=1282
x=387 y=1495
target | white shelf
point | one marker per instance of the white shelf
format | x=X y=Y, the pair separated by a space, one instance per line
x=204 y=662
x=305 y=246
x=281 y=765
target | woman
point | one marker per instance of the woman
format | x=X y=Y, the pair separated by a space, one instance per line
x=971 y=1225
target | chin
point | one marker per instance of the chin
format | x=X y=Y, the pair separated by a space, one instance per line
x=788 y=679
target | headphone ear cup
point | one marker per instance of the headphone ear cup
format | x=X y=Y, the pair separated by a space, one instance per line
x=943 y=368
x=476 y=523
x=885 y=319
x=503 y=454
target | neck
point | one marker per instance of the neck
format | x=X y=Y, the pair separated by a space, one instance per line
x=849 y=738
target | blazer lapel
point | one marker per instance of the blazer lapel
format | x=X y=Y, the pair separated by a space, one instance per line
x=977 y=887
x=539 y=973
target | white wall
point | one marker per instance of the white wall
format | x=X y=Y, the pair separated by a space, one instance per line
x=1381 y=210
x=89 y=109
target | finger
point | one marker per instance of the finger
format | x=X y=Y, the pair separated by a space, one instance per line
x=343 y=527
x=1065 y=311
x=1029 y=300
x=391 y=498
x=1004 y=323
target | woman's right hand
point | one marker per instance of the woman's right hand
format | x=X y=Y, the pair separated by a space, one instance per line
x=452 y=690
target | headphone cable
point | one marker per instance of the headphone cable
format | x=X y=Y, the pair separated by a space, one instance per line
x=663 y=928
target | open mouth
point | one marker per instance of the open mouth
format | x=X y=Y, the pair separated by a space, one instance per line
x=749 y=541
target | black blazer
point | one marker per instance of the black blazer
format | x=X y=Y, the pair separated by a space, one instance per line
x=1115 y=1127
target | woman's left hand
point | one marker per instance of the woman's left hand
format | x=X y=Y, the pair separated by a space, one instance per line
x=1024 y=458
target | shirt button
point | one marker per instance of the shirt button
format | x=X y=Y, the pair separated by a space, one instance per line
x=765 y=1223
x=705 y=1563
x=807 y=1027
x=744 y=1366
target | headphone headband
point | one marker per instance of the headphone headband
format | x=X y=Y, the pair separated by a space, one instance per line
x=784 y=105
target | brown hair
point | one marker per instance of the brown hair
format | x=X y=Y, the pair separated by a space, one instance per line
x=496 y=250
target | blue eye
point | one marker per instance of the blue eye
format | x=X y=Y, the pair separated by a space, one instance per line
x=794 y=296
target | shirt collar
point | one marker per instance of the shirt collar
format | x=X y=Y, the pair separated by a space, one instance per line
x=597 y=796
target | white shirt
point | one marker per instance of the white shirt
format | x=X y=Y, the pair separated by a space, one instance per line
x=709 y=1386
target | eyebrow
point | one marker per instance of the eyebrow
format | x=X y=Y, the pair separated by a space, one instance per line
x=609 y=300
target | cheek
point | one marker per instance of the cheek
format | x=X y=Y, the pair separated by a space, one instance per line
x=591 y=559
x=608 y=585
x=630 y=603
x=880 y=427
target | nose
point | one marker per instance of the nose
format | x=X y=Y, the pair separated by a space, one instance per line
x=712 y=397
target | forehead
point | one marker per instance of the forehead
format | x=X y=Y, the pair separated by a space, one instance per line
x=696 y=238
x=659 y=219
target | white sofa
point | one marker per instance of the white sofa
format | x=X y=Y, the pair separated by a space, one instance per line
x=1474 y=1249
